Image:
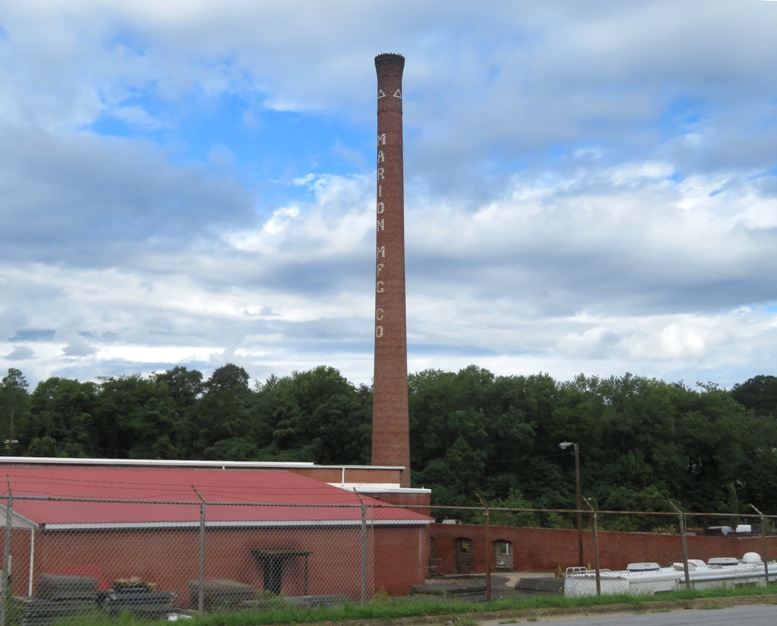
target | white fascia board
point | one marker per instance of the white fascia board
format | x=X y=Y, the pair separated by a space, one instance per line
x=47 y=460
x=34 y=460
x=380 y=488
x=235 y=524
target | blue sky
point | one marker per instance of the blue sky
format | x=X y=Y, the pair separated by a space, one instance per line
x=590 y=187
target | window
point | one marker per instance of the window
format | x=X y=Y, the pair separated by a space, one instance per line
x=503 y=555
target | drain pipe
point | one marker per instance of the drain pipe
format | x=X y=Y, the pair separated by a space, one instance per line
x=363 y=539
x=6 y=554
x=201 y=575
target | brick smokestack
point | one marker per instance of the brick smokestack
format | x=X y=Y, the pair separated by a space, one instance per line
x=390 y=423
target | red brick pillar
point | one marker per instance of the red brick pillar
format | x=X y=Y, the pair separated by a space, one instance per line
x=390 y=427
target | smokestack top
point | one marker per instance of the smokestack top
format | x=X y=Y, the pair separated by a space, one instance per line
x=389 y=58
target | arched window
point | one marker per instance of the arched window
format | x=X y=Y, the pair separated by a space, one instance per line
x=503 y=555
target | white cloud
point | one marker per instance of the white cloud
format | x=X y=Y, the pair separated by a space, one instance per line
x=589 y=188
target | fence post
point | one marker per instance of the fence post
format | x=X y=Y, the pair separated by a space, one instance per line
x=487 y=516
x=596 y=548
x=363 y=539
x=683 y=542
x=763 y=544
x=201 y=577
x=6 y=555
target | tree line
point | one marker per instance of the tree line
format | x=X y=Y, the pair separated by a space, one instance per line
x=641 y=440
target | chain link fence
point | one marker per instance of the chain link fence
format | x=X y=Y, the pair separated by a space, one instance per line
x=498 y=553
x=234 y=557
x=192 y=557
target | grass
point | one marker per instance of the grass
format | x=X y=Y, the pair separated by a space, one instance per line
x=386 y=609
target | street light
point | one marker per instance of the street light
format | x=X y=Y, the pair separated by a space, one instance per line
x=564 y=445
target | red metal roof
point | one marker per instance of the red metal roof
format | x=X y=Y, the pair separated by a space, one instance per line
x=53 y=495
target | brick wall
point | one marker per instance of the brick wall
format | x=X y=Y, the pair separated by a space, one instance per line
x=170 y=558
x=548 y=549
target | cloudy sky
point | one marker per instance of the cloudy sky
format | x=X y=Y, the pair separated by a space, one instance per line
x=591 y=187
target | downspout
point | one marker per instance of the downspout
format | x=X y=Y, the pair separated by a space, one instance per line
x=32 y=562
x=363 y=538
x=6 y=555
x=201 y=576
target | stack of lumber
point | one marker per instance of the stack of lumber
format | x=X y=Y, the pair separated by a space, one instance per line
x=58 y=596
x=138 y=597
x=221 y=594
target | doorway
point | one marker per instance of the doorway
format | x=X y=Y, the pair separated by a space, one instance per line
x=463 y=555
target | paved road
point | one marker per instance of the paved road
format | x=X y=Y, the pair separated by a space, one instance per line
x=750 y=615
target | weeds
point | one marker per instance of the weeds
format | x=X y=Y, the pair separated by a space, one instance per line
x=384 y=607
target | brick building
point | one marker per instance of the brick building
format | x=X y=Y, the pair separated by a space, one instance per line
x=273 y=529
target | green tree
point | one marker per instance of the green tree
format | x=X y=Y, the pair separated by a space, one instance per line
x=135 y=418
x=757 y=394
x=222 y=413
x=13 y=409
x=316 y=416
x=62 y=420
x=506 y=511
x=472 y=432
x=185 y=388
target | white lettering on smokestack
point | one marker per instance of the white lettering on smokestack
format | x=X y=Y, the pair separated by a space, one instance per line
x=390 y=433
